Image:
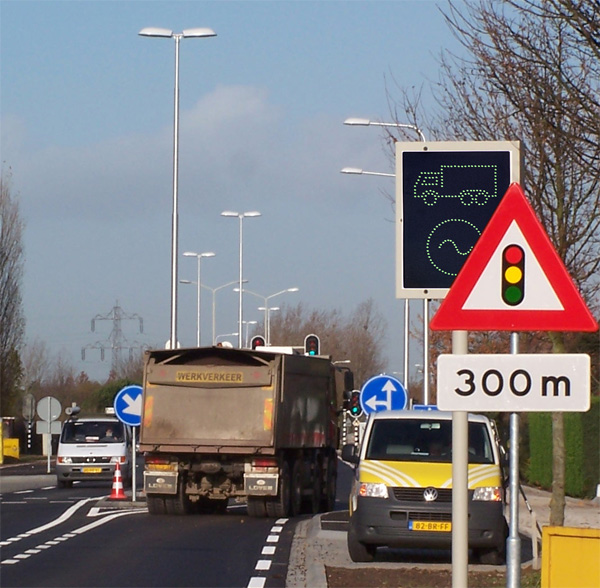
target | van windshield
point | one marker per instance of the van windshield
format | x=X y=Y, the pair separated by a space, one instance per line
x=92 y=432
x=425 y=440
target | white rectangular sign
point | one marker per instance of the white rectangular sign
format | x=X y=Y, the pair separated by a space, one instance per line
x=514 y=382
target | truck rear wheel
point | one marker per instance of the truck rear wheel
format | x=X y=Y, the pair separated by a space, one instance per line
x=156 y=505
x=279 y=506
x=328 y=503
x=180 y=503
x=296 y=489
x=257 y=506
x=316 y=497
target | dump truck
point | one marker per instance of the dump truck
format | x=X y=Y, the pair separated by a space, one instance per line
x=256 y=426
x=472 y=184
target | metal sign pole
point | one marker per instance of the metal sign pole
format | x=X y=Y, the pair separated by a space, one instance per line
x=460 y=474
x=133 y=463
x=513 y=543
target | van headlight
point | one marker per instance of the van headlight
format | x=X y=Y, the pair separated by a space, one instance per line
x=373 y=490
x=488 y=493
x=63 y=459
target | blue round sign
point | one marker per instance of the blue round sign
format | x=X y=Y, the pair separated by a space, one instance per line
x=128 y=405
x=383 y=393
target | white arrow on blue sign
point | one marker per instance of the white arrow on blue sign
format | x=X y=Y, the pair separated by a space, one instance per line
x=383 y=393
x=128 y=405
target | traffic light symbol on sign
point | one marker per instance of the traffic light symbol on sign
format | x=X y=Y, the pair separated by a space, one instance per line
x=312 y=345
x=513 y=275
x=355 y=407
x=258 y=341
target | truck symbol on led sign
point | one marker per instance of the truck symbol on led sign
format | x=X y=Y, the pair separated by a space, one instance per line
x=478 y=184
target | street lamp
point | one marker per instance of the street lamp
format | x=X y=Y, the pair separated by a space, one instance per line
x=266 y=307
x=248 y=323
x=357 y=170
x=354 y=170
x=199 y=257
x=268 y=311
x=365 y=122
x=214 y=302
x=241 y=216
x=225 y=335
x=157 y=32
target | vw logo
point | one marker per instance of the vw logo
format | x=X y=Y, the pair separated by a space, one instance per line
x=430 y=494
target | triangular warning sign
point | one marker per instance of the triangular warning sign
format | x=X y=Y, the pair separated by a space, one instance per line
x=513 y=280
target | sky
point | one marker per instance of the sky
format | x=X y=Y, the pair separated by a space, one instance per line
x=87 y=132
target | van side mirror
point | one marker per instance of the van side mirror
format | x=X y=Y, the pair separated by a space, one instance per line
x=349 y=453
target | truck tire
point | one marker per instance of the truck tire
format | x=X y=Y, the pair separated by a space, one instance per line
x=257 y=506
x=180 y=503
x=360 y=552
x=312 y=505
x=279 y=506
x=296 y=489
x=156 y=505
x=328 y=502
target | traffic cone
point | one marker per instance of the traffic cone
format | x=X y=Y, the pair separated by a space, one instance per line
x=117 y=492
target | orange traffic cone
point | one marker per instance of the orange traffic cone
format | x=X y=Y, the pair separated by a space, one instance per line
x=117 y=492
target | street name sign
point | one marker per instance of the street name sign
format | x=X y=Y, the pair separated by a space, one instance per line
x=514 y=280
x=514 y=382
x=446 y=192
x=383 y=393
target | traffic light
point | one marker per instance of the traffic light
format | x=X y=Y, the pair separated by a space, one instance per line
x=355 y=407
x=258 y=341
x=513 y=275
x=312 y=345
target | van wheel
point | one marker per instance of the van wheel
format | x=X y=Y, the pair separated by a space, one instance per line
x=490 y=557
x=279 y=506
x=257 y=507
x=156 y=505
x=359 y=552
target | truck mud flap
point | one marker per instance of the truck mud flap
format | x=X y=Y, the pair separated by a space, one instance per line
x=260 y=484
x=160 y=482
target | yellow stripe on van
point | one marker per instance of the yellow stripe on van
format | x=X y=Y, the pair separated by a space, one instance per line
x=423 y=474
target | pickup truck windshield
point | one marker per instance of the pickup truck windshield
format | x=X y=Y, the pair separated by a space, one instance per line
x=92 y=432
x=424 y=440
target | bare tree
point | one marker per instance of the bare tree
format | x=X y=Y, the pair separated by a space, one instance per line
x=12 y=322
x=532 y=73
x=357 y=338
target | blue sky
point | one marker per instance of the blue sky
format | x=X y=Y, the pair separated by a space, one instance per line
x=86 y=128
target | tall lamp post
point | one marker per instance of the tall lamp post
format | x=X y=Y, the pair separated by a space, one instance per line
x=266 y=306
x=199 y=257
x=214 y=304
x=157 y=32
x=241 y=216
x=365 y=122
x=268 y=310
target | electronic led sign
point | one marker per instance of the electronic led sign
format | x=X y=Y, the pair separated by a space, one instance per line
x=446 y=192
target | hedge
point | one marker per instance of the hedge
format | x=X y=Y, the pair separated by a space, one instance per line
x=582 y=444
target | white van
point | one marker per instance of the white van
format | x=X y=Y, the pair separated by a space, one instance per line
x=90 y=448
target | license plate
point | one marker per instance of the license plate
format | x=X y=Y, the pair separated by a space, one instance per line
x=430 y=526
x=92 y=470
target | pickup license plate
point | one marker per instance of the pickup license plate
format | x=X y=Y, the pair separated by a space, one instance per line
x=92 y=470
x=443 y=527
